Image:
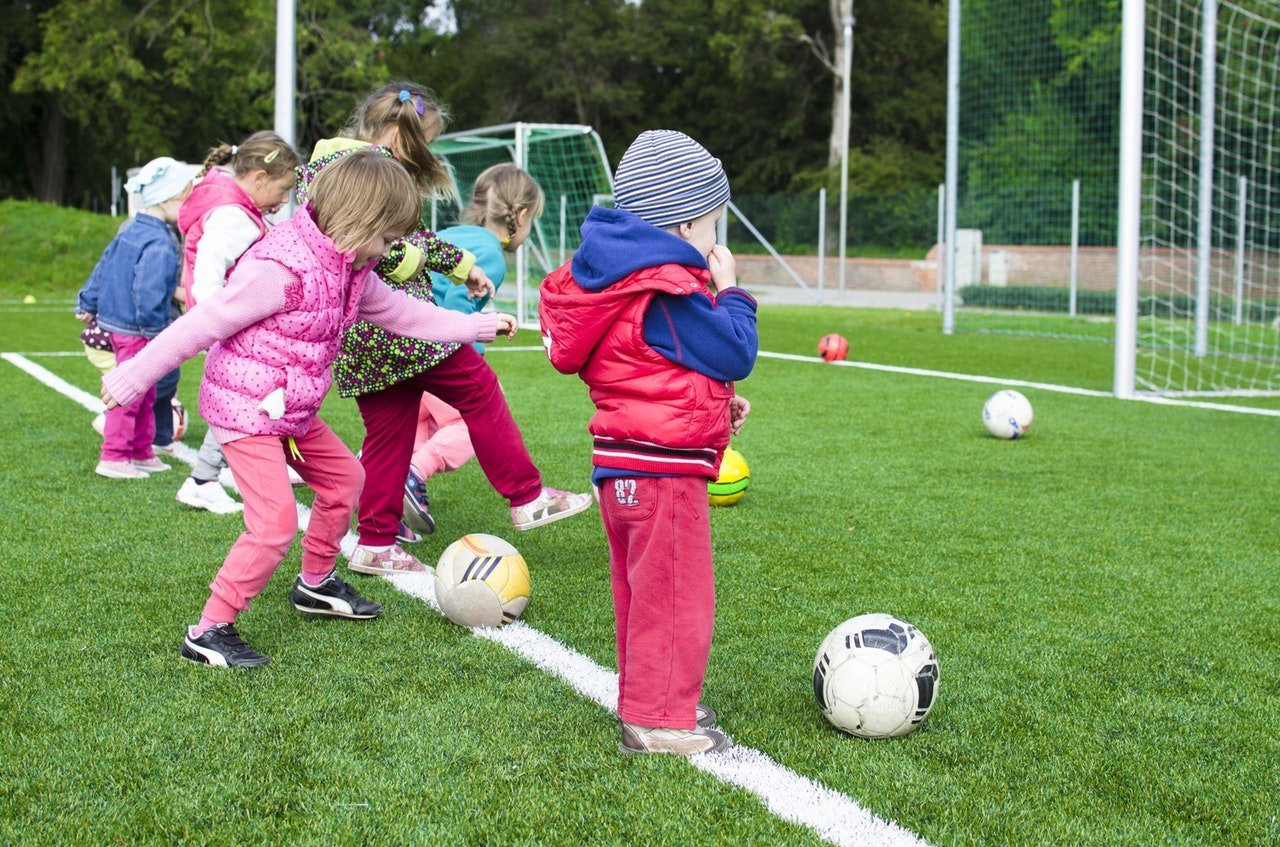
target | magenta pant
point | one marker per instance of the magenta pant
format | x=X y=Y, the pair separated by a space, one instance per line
x=271 y=513
x=130 y=429
x=465 y=381
x=442 y=442
x=664 y=595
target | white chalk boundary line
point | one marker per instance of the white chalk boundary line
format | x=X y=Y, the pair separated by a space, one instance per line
x=1042 y=386
x=833 y=816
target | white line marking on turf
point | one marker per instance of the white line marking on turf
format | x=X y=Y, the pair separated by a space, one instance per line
x=835 y=817
x=1043 y=386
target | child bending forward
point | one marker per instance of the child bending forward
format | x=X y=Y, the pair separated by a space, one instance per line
x=275 y=329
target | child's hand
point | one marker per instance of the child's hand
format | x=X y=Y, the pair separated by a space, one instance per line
x=724 y=270
x=507 y=325
x=84 y=317
x=108 y=399
x=739 y=408
x=479 y=284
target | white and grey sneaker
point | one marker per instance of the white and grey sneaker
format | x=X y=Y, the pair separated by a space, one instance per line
x=332 y=597
x=222 y=647
x=550 y=505
x=209 y=496
x=680 y=742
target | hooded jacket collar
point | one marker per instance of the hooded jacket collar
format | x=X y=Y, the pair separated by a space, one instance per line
x=616 y=244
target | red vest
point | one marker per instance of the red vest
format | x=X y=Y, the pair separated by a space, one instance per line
x=214 y=190
x=652 y=414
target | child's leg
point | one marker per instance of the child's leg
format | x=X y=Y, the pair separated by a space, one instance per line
x=390 y=422
x=162 y=408
x=442 y=442
x=668 y=580
x=129 y=429
x=336 y=477
x=209 y=459
x=465 y=381
x=270 y=521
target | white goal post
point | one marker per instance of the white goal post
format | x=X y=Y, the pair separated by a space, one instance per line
x=1198 y=276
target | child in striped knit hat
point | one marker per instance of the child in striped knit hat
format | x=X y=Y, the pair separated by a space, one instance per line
x=272 y=334
x=649 y=315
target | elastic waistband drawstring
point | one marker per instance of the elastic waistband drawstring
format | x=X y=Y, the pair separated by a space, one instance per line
x=294 y=451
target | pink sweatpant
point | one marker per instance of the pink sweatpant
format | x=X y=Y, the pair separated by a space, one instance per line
x=664 y=595
x=129 y=429
x=442 y=443
x=271 y=513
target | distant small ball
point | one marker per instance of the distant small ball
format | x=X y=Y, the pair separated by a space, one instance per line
x=731 y=484
x=29 y=299
x=1007 y=414
x=179 y=419
x=833 y=347
x=481 y=580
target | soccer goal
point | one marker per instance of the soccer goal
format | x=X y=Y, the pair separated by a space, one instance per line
x=567 y=160
x=1198 y=299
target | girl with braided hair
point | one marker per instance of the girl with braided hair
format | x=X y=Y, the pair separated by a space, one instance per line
x=388 y=373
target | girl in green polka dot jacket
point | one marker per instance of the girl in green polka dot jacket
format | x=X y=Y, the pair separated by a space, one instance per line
x=387 y=373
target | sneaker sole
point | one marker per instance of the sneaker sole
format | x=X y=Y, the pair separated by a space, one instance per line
x=209 y=507
x=369 y=569
x=546 y=519
x=118 y=475
x=416 y=519
x=208 y=657
x=719 y=746
x=323 y=606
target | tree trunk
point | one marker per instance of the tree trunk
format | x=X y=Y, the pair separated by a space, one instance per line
x=47 y=157
x=840 y=9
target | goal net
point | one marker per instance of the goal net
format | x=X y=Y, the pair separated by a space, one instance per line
x=1208 y=288
x=568 y=161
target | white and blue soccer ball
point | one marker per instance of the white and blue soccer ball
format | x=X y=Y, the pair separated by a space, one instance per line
x=875 y=676
x=1007 y=414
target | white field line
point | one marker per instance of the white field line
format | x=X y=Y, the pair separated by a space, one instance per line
x=1001 y=381
x=833 y=816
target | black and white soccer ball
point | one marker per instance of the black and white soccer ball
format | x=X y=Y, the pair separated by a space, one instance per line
x=875 y=676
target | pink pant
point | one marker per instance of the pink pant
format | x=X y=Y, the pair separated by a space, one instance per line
x=271 y=513
x=129 y=429
x=442 y=443
x=465 y=381
x=664 y=595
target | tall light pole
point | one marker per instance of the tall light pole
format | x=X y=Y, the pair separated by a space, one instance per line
x=286 y=73
x=845 y=70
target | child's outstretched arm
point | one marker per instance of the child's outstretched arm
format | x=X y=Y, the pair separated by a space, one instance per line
x=259 y=290
x=401 y=314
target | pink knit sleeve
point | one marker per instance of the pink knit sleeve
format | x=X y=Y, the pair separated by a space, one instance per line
x=401 y=314
x=256 y=290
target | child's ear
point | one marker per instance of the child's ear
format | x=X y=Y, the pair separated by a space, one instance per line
x=522 y=216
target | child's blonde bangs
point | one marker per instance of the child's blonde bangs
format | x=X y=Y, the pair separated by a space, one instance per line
x=363 y=196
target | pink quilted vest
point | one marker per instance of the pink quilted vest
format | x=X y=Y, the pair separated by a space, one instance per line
x=293 y=348
x=216 y=189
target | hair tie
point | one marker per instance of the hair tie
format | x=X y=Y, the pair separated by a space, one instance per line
x=418 y=105
x=271 y=157
x=234 y=148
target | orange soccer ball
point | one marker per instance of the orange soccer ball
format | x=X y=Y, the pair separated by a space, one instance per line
x=833 y=347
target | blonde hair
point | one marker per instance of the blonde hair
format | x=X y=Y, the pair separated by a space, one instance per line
x=362 y=196
x=413 y=110
x=262 y=151
x=501 y=192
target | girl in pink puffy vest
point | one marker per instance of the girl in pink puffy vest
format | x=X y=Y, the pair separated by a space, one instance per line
x=272 y=334
x=223 y=217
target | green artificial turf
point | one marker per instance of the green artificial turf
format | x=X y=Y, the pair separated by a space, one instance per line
x=1102 y=597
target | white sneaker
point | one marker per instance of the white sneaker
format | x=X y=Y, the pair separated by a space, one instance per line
x=680 y=742
x=100 y=425
x=152 y=465
x=208 y=496
x=395 y=560
x=119 y=470
x=551 y=505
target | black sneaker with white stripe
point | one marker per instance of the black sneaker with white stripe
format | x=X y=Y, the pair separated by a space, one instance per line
x=223 y=647
x=332 y=597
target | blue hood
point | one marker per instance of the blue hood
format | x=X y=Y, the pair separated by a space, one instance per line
x=616 y=244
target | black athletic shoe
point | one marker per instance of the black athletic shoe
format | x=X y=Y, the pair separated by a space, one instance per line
x=223 y=647
x=332 y=597
x=417 y=506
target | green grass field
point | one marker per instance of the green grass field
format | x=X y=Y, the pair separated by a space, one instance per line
x=1102 y=597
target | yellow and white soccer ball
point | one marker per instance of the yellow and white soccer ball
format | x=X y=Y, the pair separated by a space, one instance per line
x=481 y=580
x=732 y=483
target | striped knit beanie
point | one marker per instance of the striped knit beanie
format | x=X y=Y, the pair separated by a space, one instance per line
x=666 y=178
